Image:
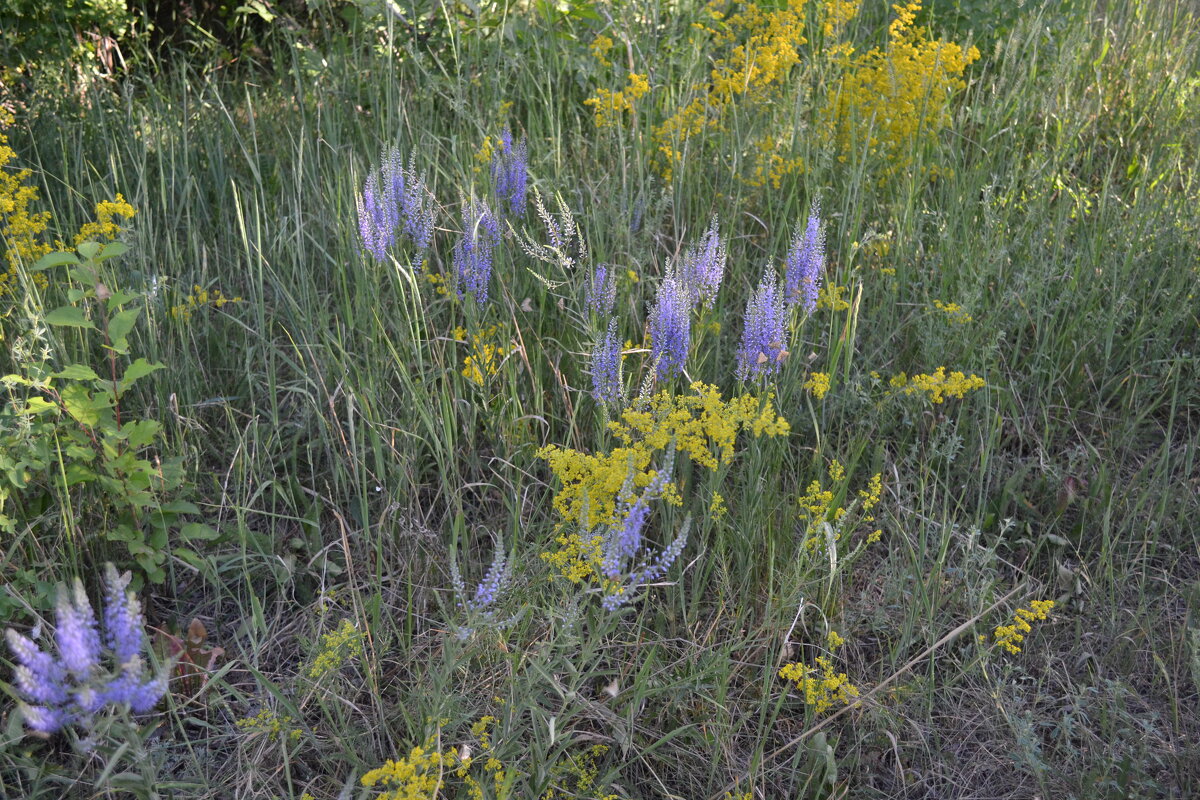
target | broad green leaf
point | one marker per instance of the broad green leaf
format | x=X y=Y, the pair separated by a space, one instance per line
x=180 y=507
x=119 y=298
x=75 y=295
x=71 y=316
x=198 y=530
x=88 y=250
x=141 y=433
x=138 y=369
x=112 y=250
x=55 y=259
x=82 y=406
x=38 y=405
x=119 y=327
x=77 y=372
x=75 y=473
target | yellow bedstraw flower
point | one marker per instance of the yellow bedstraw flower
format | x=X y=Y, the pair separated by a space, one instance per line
x=954 y=312
x=1010 y=636
x=937 y=385
x=820 y=685
x=609 y=106
x=337 y=647
x=104 y=228
x=817 y=384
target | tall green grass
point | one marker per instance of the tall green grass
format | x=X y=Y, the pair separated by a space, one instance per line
x=334 y=440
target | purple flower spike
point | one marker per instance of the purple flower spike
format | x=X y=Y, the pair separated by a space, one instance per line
x=764 y=341
x=704 y=266
x=493 y=584
x=623 y=543
x=474 y=252
x=606 y=367
x=510 y=173
x=670 y=328
x=78 y=639
x=39 y=676
x=74 y=687
x=601 y=294
x=805 y=263
x=394 y=200
x=124 y=626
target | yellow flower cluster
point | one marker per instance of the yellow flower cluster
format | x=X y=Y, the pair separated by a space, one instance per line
x=820 y=685
x=200 y=298
x=20 y=229
x=268 y=723
x=104 y=228
x=599 y=49
x=577 y=776
x=485 y=358
x=421 y=775
x=954 y=312
x=702 y=425
x=763 y=46
x=416 y=777
x=894 y=97
x=938 y=385
x=817 y=384
x=609 y=106
x=336 y=648
x=833 y=297
x=1010 y=636
x=817 y=507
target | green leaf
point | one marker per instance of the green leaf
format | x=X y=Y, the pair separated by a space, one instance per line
x=138 y=369
x=141 y=433
x=189 y=557
x=71 y=316
x=119 y=298
x=77 y=372
x=55 y=259
x=112 y=250
x=82 y=406
x=88 y=250
x=198 y=530
x=119 y=327
x=38 y=405
x=180 y=507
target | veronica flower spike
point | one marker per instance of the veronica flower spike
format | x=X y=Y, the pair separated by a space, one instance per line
x=764 y=339
x=805 y=263
x=510 y=173
x=704 y=266
x=606 y=367
x=474 y=252
x=670 y=328
x=73 y=687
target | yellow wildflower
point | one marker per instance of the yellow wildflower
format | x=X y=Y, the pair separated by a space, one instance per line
x=1010 y=637
x=820 y=685
x=817 y=384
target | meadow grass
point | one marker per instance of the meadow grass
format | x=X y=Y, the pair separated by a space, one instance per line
x=333 y=433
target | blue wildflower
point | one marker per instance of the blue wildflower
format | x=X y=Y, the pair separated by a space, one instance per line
x=764 y=340
x=394 y=200
x=606 y=367
x=482 y=604
x=601 y=291
x=704 y=266
x=805 y=263
x=623 y=542
x=670 y=328
x=73 y=687
x=510 y=171
x=475 y=251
